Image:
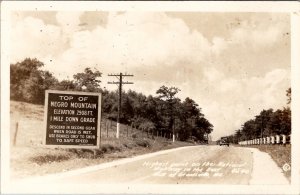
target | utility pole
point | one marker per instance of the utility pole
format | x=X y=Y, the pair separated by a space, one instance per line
x=261 y=129
x=120 y=83
x=174 y=127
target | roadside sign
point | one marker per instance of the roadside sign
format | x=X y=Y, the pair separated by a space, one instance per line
x=72 y=119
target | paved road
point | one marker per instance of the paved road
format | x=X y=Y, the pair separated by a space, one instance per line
x=192 y=165
x=189 y=165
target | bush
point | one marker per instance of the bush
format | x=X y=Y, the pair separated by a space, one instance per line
x=127 y=145
x=87 y=153
x=134 y=136
x=48 y=158
x=106 y=148
x=143 y=143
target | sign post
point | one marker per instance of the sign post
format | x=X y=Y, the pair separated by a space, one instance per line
x=72 y=119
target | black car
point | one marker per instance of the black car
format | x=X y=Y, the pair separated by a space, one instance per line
x=224 y=141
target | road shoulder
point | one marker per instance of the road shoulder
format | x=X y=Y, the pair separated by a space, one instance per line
x=265 y=170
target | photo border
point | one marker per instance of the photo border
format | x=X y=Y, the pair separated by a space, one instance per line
x=233 y=6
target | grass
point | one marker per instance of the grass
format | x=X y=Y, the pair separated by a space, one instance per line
x=280 y=154
x=29 y=157
x=48 y=158
x=143 y=143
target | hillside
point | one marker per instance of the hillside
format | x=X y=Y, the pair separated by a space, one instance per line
x=29 y=157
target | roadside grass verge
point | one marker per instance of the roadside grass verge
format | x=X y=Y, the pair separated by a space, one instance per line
x=143 y=143
x=36 y=161
x=48 y=158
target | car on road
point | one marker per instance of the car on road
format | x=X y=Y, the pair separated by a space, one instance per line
x=223 y=141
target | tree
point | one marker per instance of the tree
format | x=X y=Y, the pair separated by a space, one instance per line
x=151 y=108
x=191 y=109
x=127 y=109
x=262 y=122
x=189 y=116
x=203 y=126
x=267 y=123
x=289 y=95
x=285 y=121
x=110 y=104
x=168 y=94
x=19 y=73
x=88 y=80
x=249 y=129
x=164 y=113
x=238 y=135
x=147 y=125
x=28 y=82
x=66 y=85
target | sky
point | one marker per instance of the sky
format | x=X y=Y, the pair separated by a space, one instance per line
x=233 y=65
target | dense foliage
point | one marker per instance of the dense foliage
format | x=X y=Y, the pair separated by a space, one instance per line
x=28 y=83
x=162 y=114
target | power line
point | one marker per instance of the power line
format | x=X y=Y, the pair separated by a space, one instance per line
x=120 y=83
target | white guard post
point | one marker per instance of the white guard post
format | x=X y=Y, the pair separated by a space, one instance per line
x=277 y=139
x=283 y=139
x=173 y=137
x=118 y=130
x=272 y=140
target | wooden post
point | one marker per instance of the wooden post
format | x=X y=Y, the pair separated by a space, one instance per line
x=101 y=126
x=95 y=152
x=107 y=130
x=16 y=132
